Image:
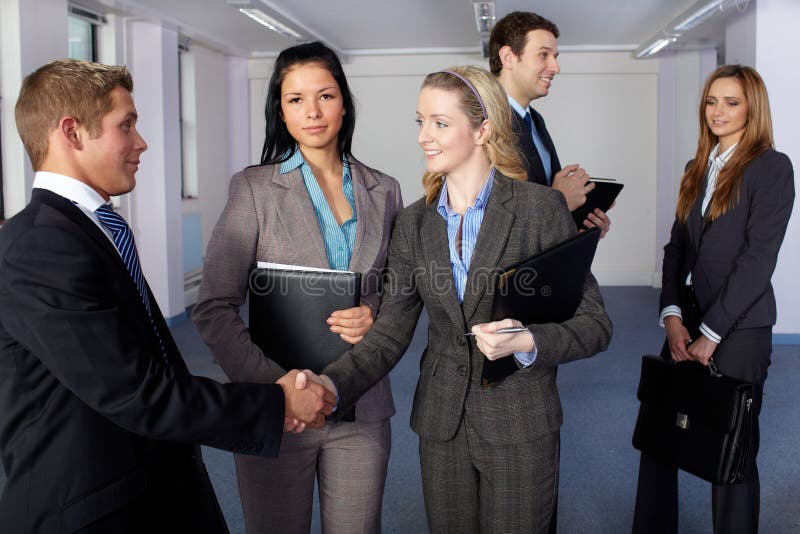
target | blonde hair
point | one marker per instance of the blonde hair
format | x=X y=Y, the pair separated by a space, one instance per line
x=757 y=138
x=501 y=145
x=65 y=87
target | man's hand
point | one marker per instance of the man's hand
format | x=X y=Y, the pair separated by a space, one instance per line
x=309 y=404
x=574 y=184
x=351 y=324
x=496 y=346
x=599 y=219
x=702 y=350
x=677 y=337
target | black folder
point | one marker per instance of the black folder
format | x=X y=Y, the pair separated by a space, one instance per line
x=545 y=288
x=602 y=196
x=288 y=313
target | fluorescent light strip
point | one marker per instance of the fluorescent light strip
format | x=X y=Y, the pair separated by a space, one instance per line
x=699 y=16
x=267 y=21
x=655 y=47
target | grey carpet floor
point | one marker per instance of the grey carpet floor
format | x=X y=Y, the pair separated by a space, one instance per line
x=598 y=463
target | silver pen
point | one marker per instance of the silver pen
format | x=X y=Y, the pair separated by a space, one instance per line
x=510 y=330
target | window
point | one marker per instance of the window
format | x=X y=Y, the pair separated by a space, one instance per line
x=83 y=32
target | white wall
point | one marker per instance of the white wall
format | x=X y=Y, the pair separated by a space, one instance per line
x=601 y=113
x=777 y=57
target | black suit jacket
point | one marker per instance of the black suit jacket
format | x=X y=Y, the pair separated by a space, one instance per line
x=97 y=430
x=532 y=160
x=732 y=260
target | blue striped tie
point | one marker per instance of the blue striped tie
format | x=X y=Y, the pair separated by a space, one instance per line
x=123 y=239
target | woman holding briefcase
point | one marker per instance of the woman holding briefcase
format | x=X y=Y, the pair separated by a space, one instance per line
x=734 y=204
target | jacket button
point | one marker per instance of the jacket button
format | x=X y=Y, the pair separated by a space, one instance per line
x=461 y=341
x=462 y=370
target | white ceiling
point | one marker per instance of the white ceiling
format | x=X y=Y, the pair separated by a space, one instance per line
x=358 y=26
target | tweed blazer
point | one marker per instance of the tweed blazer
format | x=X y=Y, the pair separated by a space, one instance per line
x=521 y=219
x=269 y=216
x=732 y=259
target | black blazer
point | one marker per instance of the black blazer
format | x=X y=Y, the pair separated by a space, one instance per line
x=532 y=160
x=96 y=429
x=732 y=260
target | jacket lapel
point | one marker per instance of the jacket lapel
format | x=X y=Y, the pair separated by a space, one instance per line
x=491 y=243
x=366 y=209
x=544 y=135
x=436 y=251
x=72 y=212
x=301 y=228
x=533 y=163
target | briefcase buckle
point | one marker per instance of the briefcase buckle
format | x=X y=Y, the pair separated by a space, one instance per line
x=682 y=421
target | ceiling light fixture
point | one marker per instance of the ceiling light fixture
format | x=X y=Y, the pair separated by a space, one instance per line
x=691 y=18
x=484 y=16
x=269 y=22
x=484 y=20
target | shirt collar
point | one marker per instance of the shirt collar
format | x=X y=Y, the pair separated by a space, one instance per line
x=723 y=158
x=521 y=111
x=298 y=160
x=443 y=207
x=69 y=188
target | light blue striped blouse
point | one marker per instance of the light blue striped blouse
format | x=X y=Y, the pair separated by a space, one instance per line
x=459 y=263
x=339 y=240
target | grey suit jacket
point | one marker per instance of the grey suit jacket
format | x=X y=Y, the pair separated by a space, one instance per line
x=270 y=217
x=521 y=219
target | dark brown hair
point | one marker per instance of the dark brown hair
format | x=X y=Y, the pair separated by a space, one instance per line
x=512 y=30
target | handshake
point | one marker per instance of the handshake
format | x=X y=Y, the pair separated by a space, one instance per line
x=308 y=397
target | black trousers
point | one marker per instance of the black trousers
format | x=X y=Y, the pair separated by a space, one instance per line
x=744 y=354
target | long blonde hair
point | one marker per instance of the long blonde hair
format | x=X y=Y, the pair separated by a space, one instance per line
x=757 y=138
x=501 y=145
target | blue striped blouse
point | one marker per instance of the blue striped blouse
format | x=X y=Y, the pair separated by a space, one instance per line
x=339 y=240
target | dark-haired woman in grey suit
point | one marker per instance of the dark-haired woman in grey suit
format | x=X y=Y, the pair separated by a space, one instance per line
x=717 y=301
x=309 y=203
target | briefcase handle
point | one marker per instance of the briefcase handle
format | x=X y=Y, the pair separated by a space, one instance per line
x=713 y=369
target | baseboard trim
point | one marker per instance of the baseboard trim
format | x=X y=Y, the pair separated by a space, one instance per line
x=786 y=339
x=175 y=320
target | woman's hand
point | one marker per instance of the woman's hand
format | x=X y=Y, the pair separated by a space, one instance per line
x=702 y=350
x=677 y=337
x=351 y=324
x=496 y=346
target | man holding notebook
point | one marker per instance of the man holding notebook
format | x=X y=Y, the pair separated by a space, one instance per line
x=523 y=55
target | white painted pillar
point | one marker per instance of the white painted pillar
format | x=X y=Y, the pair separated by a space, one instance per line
x=777 y=57
x=31 y=34
x=155 y=204
x=761 y=37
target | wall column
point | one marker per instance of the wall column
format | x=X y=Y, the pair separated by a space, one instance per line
x=154 y=207
x=31 y=34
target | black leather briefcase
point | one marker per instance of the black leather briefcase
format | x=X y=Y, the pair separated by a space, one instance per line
x=693 y=417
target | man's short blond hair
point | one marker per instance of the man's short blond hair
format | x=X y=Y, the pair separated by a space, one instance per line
x=65 y=88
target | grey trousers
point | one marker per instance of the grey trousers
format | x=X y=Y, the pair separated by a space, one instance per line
x=349 y=461
x=472 y=486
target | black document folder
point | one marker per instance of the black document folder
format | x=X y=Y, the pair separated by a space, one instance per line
x=545 y=288
x=288 y=313
x=602 y=196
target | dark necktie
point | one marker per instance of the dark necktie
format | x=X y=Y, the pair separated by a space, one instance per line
x=529 y=121
x=123 y=239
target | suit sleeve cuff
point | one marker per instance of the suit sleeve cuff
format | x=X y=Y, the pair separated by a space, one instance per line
x=526 y=359
x=710 y=334
x=667 y=311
